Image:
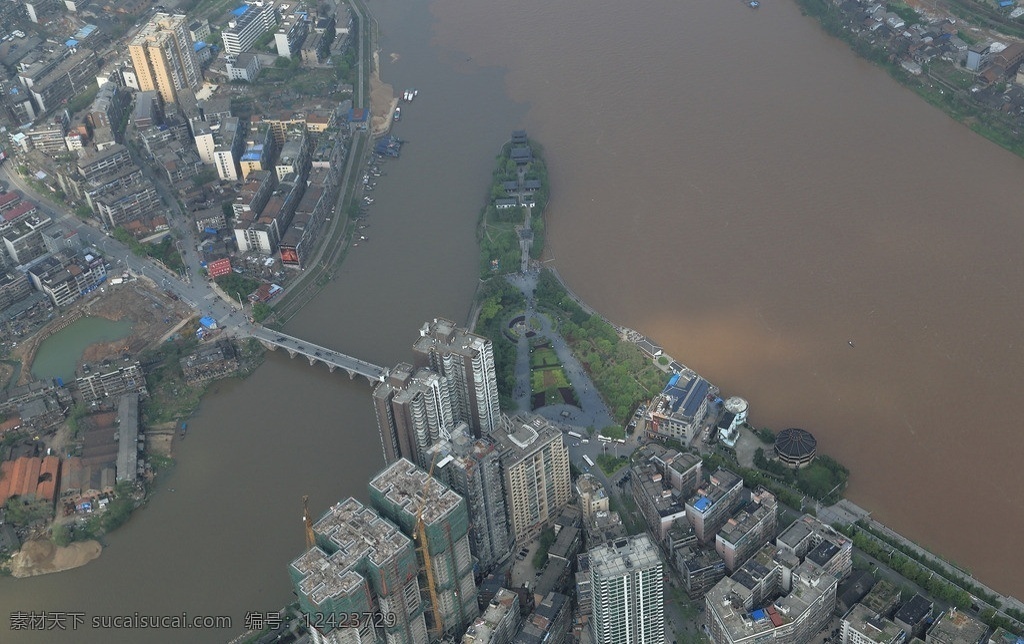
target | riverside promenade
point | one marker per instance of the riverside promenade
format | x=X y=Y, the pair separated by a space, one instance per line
x=847 y=512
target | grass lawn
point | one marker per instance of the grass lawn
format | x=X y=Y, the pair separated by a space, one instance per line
x=543 y=357
x=611 y=464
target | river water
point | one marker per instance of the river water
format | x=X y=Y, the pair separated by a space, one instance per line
x=732 y=183
x=741 y=187
x=59 y=354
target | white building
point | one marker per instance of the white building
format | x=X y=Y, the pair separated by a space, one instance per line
x=627 y=592
x=245 y=68
x=243 y=31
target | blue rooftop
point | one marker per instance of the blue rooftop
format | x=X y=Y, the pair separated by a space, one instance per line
x=758 y=614
x=199 y=45
x=71 y=43
x=702 y=503
x=207 y=321
x=688 y=398
x=251 y=156
x=239 y=11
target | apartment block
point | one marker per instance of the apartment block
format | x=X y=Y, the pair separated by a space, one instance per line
x=627 y=592
x=748 y=530
x=414 y=411
x=701 y=569
x=660 y=505
x=75 y=72
x=535 y=463
x=549 y=623
x=290 y=34
x=243 y=30
x=499 y=622
x=467 y=360
x=810 y=539
x=913 y=616
x=682 y=471
x=313 y=211
x=14 y=287
x=592 y=495
x=253 y=196
x=770 y=600
x=228 y=139
x=473 y=469
x=163 y=56
x=23 y=240
x=65 y=277
x=713 y=504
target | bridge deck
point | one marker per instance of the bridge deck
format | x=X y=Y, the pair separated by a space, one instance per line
x=316 y=353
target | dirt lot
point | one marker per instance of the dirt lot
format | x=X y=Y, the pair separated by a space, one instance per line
x=382 y=101
x=41 y=557
x=151 y=312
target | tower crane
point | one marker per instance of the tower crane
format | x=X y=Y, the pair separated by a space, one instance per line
x=422 y=546
x=308 y=522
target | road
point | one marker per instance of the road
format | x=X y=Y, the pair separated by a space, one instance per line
x=198 y=293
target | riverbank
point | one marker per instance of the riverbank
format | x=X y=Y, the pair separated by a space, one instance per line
x=977 y=101
x=42 y=557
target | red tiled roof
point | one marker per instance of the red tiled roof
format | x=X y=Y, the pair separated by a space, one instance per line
x=19 y=210
x=9 y=199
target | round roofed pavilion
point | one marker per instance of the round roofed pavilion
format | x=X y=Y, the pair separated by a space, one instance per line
x=796 y=447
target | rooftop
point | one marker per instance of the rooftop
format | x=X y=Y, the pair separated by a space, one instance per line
x=682 y=400
x=957 y=627
x=749 y=517
x=882 y=595
x=356 y=531
x=622 y=557
x=871 y=625
x=720 y=483
x=483 y=629
x=914 y=611
x=405 y=484
x=524 y=437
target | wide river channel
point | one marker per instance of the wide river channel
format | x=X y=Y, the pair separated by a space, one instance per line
x=734 y=184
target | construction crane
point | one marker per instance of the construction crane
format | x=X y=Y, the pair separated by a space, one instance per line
x=421 y=545
x=310 y=538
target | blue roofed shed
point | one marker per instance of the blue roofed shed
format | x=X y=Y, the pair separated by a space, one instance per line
x=208 y=322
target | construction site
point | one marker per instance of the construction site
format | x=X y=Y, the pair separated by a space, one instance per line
x=152 y=315
x=406 y=559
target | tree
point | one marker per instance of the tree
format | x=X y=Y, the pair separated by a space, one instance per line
x=261 y=311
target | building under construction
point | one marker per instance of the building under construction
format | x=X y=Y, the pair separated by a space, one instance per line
x=360 y=563
x=407 y=495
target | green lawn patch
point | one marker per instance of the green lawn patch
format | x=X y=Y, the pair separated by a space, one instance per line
x=611 y=464
x=543 y=357
x=614 y=432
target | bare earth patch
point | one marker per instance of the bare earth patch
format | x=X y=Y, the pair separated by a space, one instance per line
x=43 y=557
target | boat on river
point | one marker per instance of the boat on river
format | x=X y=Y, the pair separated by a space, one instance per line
x=184 y=428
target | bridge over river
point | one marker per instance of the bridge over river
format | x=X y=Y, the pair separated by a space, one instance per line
x=274 y=340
